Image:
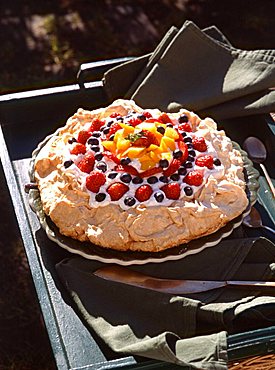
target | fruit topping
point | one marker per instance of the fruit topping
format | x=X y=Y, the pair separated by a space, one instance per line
x=182 y=171
x=129 y=201
x=86 y=164
x=152 y=180
x=199 y=144
x=188 y=190
x=164 y=118
x=125 y=161
x=83 y=136
x=101 y=166
x=95 y=125
x=127 y=168
x=159 y=196
x=161 y=130
x=126 y=177
x=112 y=175
x=143 y=193
x=117 y=190
x=217 y=162
x=185 y=127
x=72 y=140
x=113 y=129
x=68 y=163
x=194 y=178
x=100 y=197
x=78 y=148
x=147 y=114
x=95 y=180
x=205 y=161
x=115 y=115
x=137 y=180
x=173 y=167
x=163 y=163
x=172 y=190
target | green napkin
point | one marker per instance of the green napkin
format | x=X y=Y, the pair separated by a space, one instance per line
x=200 y=71
x=188 y=330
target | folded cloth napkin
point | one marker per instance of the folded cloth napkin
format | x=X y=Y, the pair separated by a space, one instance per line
x=200 y=71
x=188 y=330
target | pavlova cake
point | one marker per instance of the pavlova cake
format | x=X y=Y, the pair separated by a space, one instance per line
x=126 y=178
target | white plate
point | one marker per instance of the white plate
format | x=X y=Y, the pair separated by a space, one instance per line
x=93 y=252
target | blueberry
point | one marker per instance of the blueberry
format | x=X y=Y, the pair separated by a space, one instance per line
x=137 y=180
x=183 y=118
x=129 y=201
x=112 y=175
x=106 y=130
x=102 y=166
x=68 y=163
x=98 y=156
x=119 y=119
x=192 y=153
x=188 y=164
x=72 y=140
x=161 y=130
x=177 y=153
x=96 y=134
x=125 y=161
x=190 y=158
x=108 y=124
x=217 y=162
x=187 y=139
x=163 y=163
x=126 y=177
x=175 y=177
x=93 y=141
x=164 y=179
x=188 y=190
x=183 y=134
x=100 y=197
x=182 y=171
x=95 y=148
x=159 y=196
x=142 y=117
x=169 y=125
x=152 y=179
x=189 y=146
x=111 y=138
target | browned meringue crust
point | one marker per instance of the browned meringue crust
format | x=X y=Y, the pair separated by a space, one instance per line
x=149 y=229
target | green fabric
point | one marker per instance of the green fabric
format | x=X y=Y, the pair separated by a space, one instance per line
x=189 y=330
x=200 y=71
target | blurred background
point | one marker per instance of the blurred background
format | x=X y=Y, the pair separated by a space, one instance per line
x=43 y=43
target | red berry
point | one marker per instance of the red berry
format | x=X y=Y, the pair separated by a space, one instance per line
x=184 y=148
x=87 y=163
x=134 y=121
x=112 y=157
x=117 y=190
x=172 y=190
x=83 y=136
x=199 y=144
x=185 y=127
x=127 y=168
x=173 y=167
x=205 y=161
x=164 y=118
x=95 y=125
x=144 y=138
x=95 y=180
x=143 y=193
x=146 y=114
x=115 y=114
x=78 y=148
x=113 y=129
x=194 y=178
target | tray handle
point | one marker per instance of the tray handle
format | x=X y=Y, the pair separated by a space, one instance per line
x=95 y=70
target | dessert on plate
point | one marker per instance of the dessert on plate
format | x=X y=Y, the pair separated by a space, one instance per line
x=128 y=178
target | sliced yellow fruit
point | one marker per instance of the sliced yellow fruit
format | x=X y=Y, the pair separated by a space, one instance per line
x=146 y=165
x=134 y=152
x=122 y=145
x=152 y=147
x=155 y=157
x=166 y=155
x=170 y=132
x=118 y=135
x=109 y=145
x=170 y=143
x=146 y=126
x=127 y=129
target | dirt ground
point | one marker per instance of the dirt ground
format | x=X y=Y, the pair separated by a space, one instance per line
x=43 y=44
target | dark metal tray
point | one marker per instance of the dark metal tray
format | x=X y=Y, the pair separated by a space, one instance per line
x=26 y=118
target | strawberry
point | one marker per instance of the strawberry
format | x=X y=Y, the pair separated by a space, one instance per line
x=144 y=138
x=95 y=125
x=164 y=118
x=184 y=148
x=143 y=193
x=115 y=114
x=87 y=163
x=113 y=129
x=127 y=168
x=146 y=114
x=205 y=161
x=117 y=190
x=199 y=144
x=112 y=157
x=194 y=178
x=150 y=172
x=134 y=121
x=95 y=180
x=172 y=190
x=173 y=167
x=78 y=148
x=185 y=127
x=83 y=136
